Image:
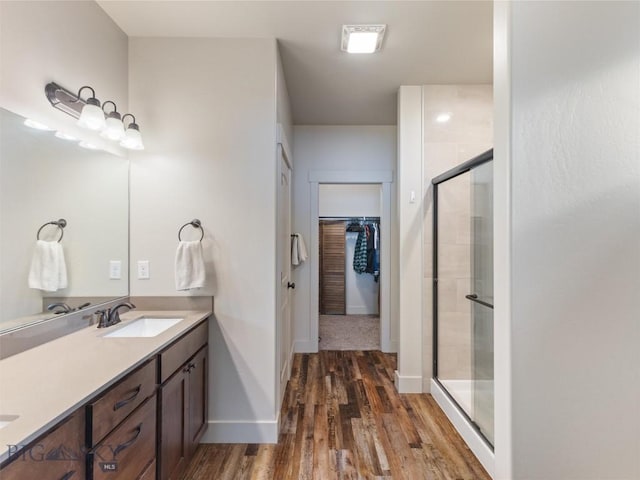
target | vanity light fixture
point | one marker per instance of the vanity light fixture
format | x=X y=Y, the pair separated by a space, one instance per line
x=362 y=38
x=114 y=129
x=90 y=115
x=132 y=138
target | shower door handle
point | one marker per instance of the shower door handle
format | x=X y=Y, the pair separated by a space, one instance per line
x=474 y=298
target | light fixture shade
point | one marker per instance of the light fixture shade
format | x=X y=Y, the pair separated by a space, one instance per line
x=132 y=138
x=114 y=129
x=92 y=116
x=362 y=38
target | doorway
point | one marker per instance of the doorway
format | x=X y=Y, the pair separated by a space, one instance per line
x=349 y=257
x=382 y=182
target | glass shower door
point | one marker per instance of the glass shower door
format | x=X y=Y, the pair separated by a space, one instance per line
x=482 y=296
x=463 y=289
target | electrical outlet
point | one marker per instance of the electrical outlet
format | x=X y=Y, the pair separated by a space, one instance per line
x=115 y=270
x=143 y=269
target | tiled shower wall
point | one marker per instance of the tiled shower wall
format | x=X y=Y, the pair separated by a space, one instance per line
x=468 y=133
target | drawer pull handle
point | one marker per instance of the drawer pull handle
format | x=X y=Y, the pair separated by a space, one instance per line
x=127 y=444
x=68 y=475
x=123 y=402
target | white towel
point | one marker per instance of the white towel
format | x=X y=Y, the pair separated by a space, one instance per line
x=298 y=250
x=190 y=269
x=48 y=269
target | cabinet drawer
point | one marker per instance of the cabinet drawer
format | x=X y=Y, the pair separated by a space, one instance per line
x=149 y=473
x=113 y=406
x=174 y=356
x=126 y=452
x=59 y=455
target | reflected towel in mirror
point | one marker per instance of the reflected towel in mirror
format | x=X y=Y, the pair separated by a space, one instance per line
x=190 y=268
x=48 y=268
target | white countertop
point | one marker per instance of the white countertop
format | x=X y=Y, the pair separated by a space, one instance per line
x=46 y=383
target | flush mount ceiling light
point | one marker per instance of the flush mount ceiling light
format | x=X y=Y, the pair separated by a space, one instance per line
x=90 y=115
x=362 y=38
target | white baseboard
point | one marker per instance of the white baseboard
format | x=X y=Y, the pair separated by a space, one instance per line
x=471 y=437
x=306 y=346
x=259 y=431
x=393 y=347
x=408 y=383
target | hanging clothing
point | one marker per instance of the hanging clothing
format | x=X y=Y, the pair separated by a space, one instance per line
x=360 y=253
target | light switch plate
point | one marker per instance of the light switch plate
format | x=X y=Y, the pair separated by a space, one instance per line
x=115 y=270
x=143 y=269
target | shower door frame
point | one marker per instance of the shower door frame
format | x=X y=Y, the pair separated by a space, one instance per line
x=448 y=175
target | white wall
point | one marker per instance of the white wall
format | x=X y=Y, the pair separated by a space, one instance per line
x=210 y=113
x=333 y=148
x=360 y=200
x=410 y=239
x=574 y=239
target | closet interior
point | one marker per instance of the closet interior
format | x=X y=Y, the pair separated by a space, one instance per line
x=349 y=266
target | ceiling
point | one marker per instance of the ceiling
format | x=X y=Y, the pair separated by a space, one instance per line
x=427 y=42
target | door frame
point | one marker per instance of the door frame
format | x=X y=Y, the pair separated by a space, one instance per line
x=384 y=178
x=283 y=150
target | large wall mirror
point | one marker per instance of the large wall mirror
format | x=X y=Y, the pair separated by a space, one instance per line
x=44 y=178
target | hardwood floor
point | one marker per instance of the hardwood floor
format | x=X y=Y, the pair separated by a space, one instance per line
x=343 y=419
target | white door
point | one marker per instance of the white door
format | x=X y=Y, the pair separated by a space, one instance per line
x=286 y=285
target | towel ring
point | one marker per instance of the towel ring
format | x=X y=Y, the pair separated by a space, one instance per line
x=195 y=223
x=58 y=223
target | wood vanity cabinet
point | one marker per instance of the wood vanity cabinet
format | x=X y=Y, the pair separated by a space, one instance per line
x=57 y=455
x=182 y=406
x=121 y=427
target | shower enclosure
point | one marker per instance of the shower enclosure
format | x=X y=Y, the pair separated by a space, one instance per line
x=463 y=289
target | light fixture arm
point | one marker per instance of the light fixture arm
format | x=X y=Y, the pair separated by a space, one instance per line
x=93 y=93
x=115 y=108
x=129 y=115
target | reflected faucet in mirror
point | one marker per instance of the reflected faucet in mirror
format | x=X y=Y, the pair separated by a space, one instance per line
x=60 y=308
x=107 y=318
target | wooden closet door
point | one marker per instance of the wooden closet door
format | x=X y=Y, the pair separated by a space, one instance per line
x=332 y=265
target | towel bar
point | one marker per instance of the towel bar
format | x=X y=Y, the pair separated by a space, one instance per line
x=58 y=223
x=195 y=223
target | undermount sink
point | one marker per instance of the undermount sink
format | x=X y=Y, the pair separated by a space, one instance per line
x=144 y=327
x=6 y=420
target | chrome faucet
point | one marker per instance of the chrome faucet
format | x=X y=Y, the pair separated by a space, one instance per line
x=107 y=318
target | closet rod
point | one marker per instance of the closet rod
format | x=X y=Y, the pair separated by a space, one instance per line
x=353 y=219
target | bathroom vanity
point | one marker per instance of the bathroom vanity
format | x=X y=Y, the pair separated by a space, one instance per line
x=99 y=405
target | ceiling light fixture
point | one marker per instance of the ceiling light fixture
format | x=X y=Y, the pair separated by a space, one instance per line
x=443 y=117
x=362 y=38
x=90 y=115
